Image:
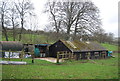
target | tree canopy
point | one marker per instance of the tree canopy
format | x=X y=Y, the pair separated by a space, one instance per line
x=74 y=17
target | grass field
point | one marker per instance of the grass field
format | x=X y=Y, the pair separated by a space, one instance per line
x=30 y=38
x=82 y=69
x=110 y=47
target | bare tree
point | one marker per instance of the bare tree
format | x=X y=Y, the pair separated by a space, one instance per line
x=54 y=10
x=88 y=18
x=12 y=17
x=24 y=7
x=3 y=10
x=78 y=15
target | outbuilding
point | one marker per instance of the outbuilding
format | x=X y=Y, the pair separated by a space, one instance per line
x=8 y=47
x=79 y=49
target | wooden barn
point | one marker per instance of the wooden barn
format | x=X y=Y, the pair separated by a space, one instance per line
x=69 y=46
x=80 y=50
x=96 y=51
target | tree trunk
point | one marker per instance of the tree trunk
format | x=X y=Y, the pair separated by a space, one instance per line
x=75 y=31
x=13 y=29
x=20 y=36
x=68 y=29
x=5 y=31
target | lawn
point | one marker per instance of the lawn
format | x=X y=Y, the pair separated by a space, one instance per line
x=102 y=69
x=82 y=69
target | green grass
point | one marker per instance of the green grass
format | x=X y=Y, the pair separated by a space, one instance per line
x=110 y=47
x=30 y=38
x=10 y=36
x=102 y=69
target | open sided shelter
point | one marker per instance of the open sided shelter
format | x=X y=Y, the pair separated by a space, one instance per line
x=41 y=50
x=10 y=46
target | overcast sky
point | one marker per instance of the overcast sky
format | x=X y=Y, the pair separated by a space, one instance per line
x=108 y=14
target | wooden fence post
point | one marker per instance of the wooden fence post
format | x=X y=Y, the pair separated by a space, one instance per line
x=22 y=54
x=9 y=55
x=58 y=57
x=32 y=54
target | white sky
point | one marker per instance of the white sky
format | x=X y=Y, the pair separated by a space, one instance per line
x=108 y=14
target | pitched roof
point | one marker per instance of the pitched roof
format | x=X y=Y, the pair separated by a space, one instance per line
x=95 y=46
x=83 y=46
x=76 y=45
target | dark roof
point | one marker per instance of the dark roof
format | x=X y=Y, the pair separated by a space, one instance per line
x=42 y=44
x=11 y=45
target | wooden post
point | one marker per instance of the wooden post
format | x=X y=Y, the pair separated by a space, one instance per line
x=58 y=57
x=100 y=55
x=105 y=54
x=66 y=55
x=92 y=55
x=12 y=54
x=72 y=56
x=69 y=56
x=63 y=54
x=32 y=54
x=22 y=54
x=9 y=55
x=88 y=55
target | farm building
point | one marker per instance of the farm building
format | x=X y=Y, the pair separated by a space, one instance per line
x=96 y=52
x=8 y=47
x=79 y=49
x=11 y=45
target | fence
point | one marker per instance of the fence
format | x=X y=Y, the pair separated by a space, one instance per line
x=64 y=55
x=20 y=52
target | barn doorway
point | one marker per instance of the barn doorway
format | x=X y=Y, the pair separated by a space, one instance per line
x=41 y=50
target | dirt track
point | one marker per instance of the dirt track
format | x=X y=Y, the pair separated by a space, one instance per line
x=50 y=59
